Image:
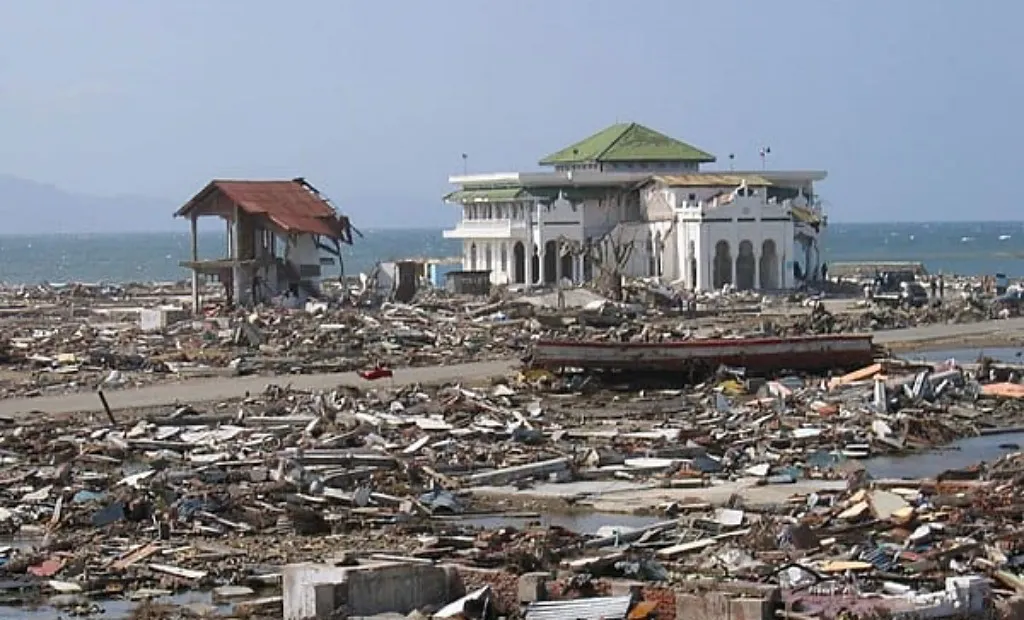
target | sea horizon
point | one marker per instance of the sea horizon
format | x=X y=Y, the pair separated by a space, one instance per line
x=439 y=227
x=964 y=248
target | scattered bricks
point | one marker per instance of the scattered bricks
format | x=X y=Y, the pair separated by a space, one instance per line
x=504 y=586
x=560 y=589
x=533 y=587
x=664 y=600
x=555 y=588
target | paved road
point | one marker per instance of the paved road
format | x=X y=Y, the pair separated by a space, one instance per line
x=222 y=388
x=942 y=332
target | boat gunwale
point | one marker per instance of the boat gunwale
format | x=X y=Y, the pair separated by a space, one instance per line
x=711 y=342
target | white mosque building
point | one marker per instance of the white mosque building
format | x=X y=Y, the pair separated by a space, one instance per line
x=640 y=199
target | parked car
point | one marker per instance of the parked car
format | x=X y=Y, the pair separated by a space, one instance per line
x=914 y=294
x=1002 y=283
x=1012 y=300
x=905 y=294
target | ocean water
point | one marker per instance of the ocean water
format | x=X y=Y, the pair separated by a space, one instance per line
x=961 y=248
x=155 y=257
x=964 y=248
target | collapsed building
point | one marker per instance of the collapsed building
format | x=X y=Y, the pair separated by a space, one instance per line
x=280 y=236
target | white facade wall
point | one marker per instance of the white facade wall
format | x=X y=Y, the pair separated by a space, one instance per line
x=301 y=250
x=490 y=233
x=685 y=225
x=560 y=219
x=687 y=247
x=697 y=227
x=654 y=248
x=600 y=215
x=623 y=236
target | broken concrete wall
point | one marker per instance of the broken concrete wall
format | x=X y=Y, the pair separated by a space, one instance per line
x=398 y=588
x=299 y=588
x=705 y=599
x=316 y=591
x=157 y=319
x=702 y=606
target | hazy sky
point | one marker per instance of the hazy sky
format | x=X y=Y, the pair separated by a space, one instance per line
x=911 y=105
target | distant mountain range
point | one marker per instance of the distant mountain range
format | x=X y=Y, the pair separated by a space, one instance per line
x=31 y=207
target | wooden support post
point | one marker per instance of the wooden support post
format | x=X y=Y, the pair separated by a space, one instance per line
x=195 y=258
x=236 y=268
x=106 y=407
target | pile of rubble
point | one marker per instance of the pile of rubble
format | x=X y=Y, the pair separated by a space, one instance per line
x=888 y=548
x=222 y=498
x=60 y=338
x=871 y=319
x=69 y=349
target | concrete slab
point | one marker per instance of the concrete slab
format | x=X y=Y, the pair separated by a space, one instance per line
x=627 y=497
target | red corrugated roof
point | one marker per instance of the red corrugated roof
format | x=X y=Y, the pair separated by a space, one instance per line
x=291 y=205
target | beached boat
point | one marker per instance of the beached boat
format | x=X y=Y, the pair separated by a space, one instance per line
x=809 y=353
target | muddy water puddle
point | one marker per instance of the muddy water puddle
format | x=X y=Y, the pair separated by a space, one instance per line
x=582 y=522
x=200 y=602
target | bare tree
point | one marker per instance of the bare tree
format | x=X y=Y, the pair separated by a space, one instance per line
x=609 y=255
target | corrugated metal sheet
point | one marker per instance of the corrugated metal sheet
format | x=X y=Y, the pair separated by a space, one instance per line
x=606 y=607
x=510 y=194
x=495 y=194
x=291 y=205
x=805 y=215
x=288 y=204
x=882 y=559
x=712 y=180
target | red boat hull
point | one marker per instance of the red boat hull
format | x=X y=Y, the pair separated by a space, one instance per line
x=809 y=353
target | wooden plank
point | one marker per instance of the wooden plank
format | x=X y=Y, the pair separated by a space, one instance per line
x=687 y=547
x=136 y=556
x=177 y=571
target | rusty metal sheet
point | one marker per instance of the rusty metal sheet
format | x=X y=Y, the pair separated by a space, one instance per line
x=294 y=205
